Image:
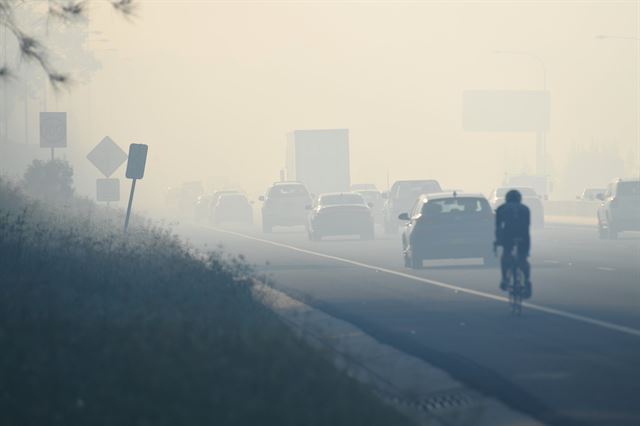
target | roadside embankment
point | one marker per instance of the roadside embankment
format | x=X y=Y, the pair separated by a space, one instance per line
x=105 y=329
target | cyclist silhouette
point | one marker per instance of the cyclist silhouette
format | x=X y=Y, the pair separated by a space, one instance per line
x=512 y=230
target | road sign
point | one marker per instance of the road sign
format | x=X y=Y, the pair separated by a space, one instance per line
x=53 y=129
x=135 y=171
x=107 y=156
x=137 y=160
x=108 y=189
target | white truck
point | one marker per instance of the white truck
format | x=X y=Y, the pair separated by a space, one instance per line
x=319 y=159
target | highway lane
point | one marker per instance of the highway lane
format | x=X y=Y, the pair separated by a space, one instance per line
x=562 y=370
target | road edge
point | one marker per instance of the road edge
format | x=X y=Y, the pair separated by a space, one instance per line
x=425 y=394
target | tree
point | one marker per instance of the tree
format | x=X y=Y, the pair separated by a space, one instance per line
x=49 y=180
x=35 y=50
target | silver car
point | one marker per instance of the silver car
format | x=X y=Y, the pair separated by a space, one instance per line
x=619 y=209
x=340 y=213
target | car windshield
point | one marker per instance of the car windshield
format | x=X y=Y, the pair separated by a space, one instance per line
x=412 y=190
x=232 y=199
x=337 y=199
x=448 y=207
x=288 y=191
x=370 y=195
x=629 y=189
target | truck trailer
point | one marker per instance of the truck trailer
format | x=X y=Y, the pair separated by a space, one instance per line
x=319 y=159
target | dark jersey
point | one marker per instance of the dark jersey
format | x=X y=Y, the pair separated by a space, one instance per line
x=512 y=221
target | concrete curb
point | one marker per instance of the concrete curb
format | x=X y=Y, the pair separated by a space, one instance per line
x=427 y=395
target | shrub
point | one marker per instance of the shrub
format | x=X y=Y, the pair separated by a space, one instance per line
x=49 y=180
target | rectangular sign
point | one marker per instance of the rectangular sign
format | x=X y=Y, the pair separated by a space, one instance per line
x=108 y=189
x=505 y=111
x=137 y=160
x=53 y=129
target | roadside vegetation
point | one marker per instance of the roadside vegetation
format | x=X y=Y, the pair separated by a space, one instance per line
x=101 y=329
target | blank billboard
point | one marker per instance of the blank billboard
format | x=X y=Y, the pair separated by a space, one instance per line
x=505 y=111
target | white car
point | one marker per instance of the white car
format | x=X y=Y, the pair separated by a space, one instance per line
x=619 y=209
x=529 y=199
x=340 y=213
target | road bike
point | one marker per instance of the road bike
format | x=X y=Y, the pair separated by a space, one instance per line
x=515 y=281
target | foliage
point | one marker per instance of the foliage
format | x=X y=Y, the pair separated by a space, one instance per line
x=49 y=180
x=35 y=50
x=98 y=328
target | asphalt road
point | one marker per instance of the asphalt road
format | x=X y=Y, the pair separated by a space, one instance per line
x=572 y=359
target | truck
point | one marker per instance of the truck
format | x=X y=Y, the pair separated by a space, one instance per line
x=319 y=159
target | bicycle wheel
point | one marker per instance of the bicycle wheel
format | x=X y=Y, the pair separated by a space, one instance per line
x=518 y=292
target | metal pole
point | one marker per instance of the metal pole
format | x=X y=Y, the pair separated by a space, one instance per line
x=26 y=112
x=5 y=116
x=540 y=153
x=126 y=221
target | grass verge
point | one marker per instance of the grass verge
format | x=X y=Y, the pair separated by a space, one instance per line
x=101 y=329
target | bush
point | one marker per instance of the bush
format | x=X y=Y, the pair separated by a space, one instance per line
x=49 y=180
x=101 y=329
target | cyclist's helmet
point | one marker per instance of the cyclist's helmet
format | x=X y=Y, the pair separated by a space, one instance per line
x=513 y=196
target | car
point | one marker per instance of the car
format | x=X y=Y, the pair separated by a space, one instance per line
x=213 y=200
x=529 y=198
x=591 y=194
x=373 y=198
x=233 y=207
x=202 y=207
x=401 y=197
x=448 y=225
x=285 y=205
x=340 y=213
x=619 y=208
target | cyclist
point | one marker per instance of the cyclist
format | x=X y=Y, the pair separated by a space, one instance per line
x=512 y=229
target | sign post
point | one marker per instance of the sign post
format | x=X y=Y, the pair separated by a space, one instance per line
x=53 y=130
x=135 y=171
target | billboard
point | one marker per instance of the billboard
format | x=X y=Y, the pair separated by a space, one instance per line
x=505 y=111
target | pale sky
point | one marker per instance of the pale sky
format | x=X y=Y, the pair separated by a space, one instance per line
x=213 y=87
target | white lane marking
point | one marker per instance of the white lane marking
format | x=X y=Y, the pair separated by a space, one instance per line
x=557 y=312
x=605 y=268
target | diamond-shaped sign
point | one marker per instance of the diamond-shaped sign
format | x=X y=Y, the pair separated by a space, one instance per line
x=107 y=156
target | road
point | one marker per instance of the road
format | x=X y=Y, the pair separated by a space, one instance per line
x=572 y=359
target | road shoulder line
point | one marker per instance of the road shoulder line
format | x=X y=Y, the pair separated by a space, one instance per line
x=552 y=311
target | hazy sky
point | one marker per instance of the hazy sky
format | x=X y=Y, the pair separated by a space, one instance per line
x=213 y=87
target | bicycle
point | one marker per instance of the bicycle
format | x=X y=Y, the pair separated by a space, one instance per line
x=516 y=281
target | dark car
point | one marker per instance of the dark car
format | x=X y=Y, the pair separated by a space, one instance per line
x=233 y=208
x=619 y=209
x=343 y=213
x=448 y=226
x=401 y=197
x=285 y=205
